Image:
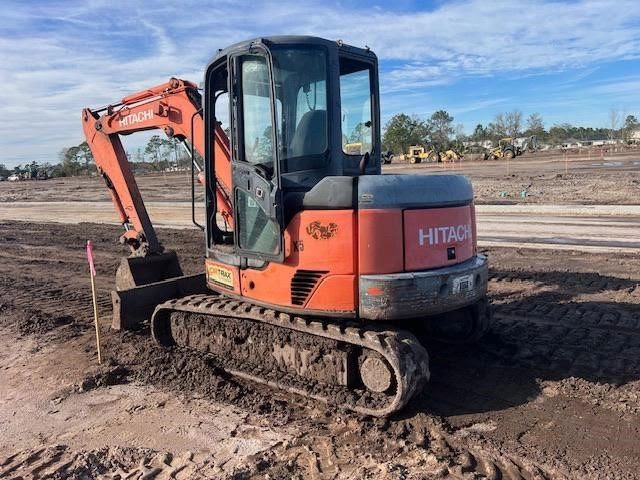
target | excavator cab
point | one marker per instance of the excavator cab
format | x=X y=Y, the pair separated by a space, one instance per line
x=299 y=110
x=316 y=228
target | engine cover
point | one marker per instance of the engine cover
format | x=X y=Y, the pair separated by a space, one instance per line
x=437 y=237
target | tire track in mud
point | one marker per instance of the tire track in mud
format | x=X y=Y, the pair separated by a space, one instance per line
x=45 y=462
x=572 y=333
x=43 y=308
x=319 y=455
x=593 y=335
x=594 y=350
x=110 y=463
x=419 y=447
x=57 y=301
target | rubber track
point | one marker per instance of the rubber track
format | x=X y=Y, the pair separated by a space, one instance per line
x=403 y=351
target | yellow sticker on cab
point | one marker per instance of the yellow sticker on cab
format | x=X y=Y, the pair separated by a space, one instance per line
x=220 y=275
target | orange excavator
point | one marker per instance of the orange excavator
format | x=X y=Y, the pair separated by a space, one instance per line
x=318 y=268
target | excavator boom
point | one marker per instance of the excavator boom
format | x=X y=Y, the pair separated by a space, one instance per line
x=150 y=274
x=173 y=107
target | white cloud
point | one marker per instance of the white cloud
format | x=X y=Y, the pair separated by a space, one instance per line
x=58 y=58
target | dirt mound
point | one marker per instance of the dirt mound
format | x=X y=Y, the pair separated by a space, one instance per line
x=110 y=374
x=30 y=322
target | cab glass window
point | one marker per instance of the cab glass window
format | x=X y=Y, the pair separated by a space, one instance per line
x=301 y=90
x=355 y=98
x=257 y=232
x=256 y=112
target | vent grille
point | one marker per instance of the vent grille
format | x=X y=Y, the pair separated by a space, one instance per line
x=303 y=283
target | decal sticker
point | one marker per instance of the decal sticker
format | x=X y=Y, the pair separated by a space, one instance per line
x=220 y=275
x=366 y=198
x=446 y=234
x=134 y=118
x=462 y=284
x=322 y=232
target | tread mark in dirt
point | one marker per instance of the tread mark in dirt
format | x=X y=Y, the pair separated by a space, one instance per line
x=594 y=348
x=58 y=462
x=442 y=456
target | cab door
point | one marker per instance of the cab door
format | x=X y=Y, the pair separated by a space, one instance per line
x=255 y=169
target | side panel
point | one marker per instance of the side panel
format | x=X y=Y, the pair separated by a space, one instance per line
x=380 y=248
x=437 y=237
x=336 y=293
x=320 y=264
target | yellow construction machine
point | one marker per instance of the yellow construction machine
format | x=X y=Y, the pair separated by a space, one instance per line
x=505 y=149
x=418 y=154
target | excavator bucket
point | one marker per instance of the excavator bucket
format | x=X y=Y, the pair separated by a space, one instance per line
x=136 y=271
x=144 y=282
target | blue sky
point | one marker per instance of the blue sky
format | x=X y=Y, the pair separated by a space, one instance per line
x=569 y=61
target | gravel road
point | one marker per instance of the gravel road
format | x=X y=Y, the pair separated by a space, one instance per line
x=593 y=228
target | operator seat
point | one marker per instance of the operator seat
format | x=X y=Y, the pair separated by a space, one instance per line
x=310 y=136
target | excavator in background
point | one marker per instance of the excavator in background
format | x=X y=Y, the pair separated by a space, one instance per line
x=317 y=267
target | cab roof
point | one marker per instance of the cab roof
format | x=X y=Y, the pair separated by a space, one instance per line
x=279 y=40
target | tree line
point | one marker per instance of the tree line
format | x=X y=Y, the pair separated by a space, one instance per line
x=439 y=131
x=511 y=125
x=157 y=155
x=400 y=132
x=403 y=131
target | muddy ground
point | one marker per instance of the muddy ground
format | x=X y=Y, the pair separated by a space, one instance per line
x=545 y=178
x=553 y=391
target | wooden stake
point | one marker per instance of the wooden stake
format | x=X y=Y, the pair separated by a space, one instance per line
x=95 y=317
x=92 y=274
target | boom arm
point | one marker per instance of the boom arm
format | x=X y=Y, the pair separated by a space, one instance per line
x=173 y=107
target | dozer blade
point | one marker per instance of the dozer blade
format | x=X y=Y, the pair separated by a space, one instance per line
x=144 y=282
